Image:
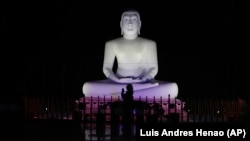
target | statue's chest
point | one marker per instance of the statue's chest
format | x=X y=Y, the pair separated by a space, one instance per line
x=130 y=53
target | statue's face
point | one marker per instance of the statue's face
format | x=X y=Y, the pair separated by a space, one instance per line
x=130 y=23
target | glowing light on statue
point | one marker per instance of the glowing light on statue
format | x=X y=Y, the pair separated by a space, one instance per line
x=137 y=64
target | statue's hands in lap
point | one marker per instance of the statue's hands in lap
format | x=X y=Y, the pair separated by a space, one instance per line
x=144 y=79
x=129 y=80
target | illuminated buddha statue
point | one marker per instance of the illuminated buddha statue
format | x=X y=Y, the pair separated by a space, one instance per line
x=137 y=65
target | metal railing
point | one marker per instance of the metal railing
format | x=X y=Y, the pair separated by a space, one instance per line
x=91 y=109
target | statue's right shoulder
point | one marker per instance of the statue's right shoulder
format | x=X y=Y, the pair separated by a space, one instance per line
x=113 y=42
x=116 y=40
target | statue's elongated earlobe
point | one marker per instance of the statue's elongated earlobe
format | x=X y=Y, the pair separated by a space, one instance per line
x=121 y=27
x=121 y=31
x=139 y=28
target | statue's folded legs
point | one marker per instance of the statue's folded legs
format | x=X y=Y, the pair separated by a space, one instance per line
x=106 y=88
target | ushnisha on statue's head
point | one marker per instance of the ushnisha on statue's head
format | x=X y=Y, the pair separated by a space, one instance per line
x=130 y=23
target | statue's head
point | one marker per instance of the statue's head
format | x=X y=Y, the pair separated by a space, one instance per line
x=130 y=22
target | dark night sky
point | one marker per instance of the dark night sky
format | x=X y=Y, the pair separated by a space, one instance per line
x=53 y=48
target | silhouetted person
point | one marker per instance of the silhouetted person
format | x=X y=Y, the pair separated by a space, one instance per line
x=128 y=107
x=128 y=95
